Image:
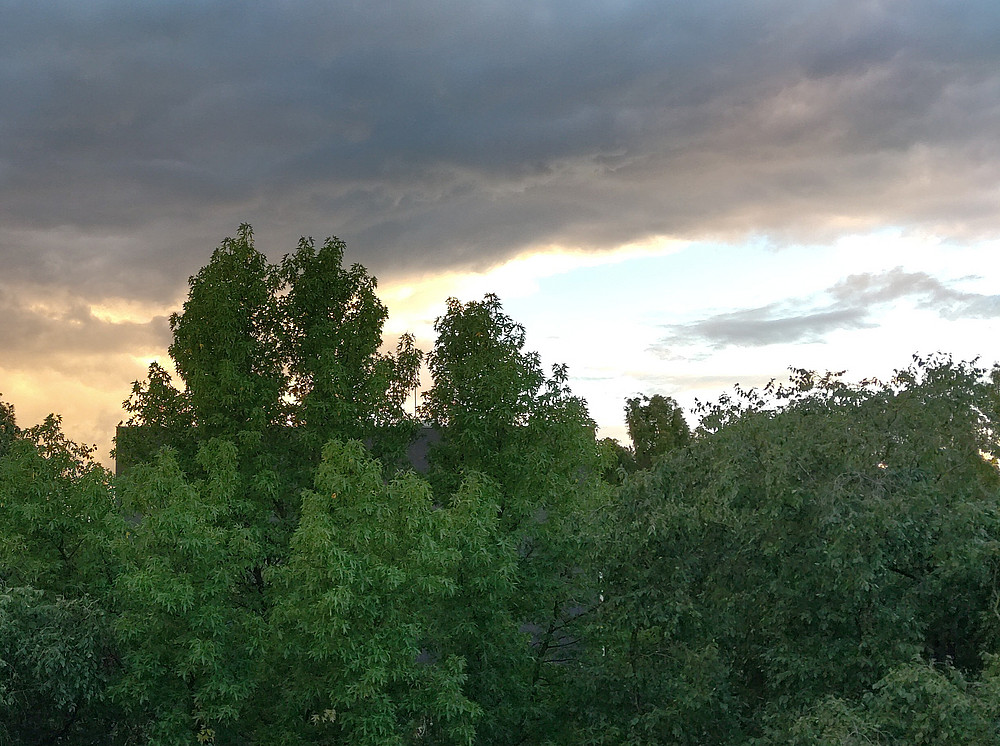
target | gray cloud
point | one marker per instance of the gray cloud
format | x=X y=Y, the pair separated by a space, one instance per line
x=864 y=290
x=771 y=325
x=58 y=332
x=133 y=137
x=849 y=304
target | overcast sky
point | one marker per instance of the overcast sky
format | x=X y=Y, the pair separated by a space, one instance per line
x=671 y=196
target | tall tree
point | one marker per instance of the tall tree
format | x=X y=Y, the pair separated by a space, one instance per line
x=278 y=358
x=225 y=343
x=502 y=419
x=331 y=335
x=483 y=377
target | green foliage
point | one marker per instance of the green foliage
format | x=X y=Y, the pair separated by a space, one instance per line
x=189 y=620
x=483 y=380
x=616 y=461
x=915 y=704
x=352 y=636
x=500 y=416
x=331 y=333
x=809 y=540
x=659 y=667
x=656 y=426
x=277 y=359
x=159 y=416
x=9 y=431
x=54 y=500
x=481 y=616
x=56 y=653
x=503 y=420
x=156 y=403
x=263 y=345
x=55 y=664
x=225 y=341
x=818 y=563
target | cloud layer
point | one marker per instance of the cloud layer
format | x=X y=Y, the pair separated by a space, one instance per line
x=454 y=135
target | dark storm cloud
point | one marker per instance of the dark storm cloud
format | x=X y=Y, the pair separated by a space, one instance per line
x=850 y=304
x=134 y=136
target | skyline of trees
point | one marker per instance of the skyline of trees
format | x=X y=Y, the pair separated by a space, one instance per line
x=814 y=562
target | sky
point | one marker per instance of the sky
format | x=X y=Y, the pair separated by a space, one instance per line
x=672 y=197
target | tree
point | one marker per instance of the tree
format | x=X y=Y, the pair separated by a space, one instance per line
x=498 y=413
x=189 y=617
x=159 y=416
x=156 y=403
x=915 y=703
x=331 y=335
x=225 y=343
x=9 y=430
x=811 y=541
x=483 y=378
x=278 y=359
x=359 y=660
x=656 y=426
x=57 y=657
x=54 y=500
x=502 y=419
x=56 y=662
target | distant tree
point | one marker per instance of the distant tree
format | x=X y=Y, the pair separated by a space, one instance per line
x=9 y=430
x=656 y=426
x=159 y=416
x=617 y=461
x=157 y=403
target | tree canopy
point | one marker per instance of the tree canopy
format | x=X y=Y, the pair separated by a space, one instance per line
x=656 y=425
x=293 y=346
x=817 y=551
x=815 y=562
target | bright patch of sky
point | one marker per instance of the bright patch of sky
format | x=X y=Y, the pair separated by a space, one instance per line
x=640 y=324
